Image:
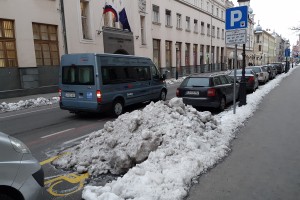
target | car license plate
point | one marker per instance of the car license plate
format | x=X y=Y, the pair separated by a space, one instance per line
x=192 y=93
x=70 y=94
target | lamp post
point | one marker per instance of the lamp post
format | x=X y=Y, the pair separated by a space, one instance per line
x=242 y=92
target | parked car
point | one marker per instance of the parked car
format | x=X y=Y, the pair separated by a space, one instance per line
x=21 y=175
x=272 y=72
x=207 y=90
x=280 y=67
x=250 y=76
x=262 y=74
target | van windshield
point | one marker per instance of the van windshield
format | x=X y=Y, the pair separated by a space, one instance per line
x=78 y=75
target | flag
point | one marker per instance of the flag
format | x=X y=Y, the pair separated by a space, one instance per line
x=124 y=19
x=109 y=8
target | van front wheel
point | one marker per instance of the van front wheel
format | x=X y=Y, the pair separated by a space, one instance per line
x=163 y=95
x=117 y=108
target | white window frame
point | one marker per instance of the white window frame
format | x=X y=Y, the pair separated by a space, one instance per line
x=178 y=21
x=168 y=17
x=155 y=14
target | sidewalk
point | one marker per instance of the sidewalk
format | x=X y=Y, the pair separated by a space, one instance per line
x=265 y=159
x=17 y=99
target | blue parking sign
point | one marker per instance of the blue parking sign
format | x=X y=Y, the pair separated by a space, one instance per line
x=287 y=53
x=236 y=18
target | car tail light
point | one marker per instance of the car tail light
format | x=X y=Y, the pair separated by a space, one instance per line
x=211 y=92
x=59 y=94
x=177 y=93
x=261 y=74
x=251 y=79
x=99 y=96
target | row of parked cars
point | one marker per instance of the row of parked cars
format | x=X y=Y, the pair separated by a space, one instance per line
x=216 y=89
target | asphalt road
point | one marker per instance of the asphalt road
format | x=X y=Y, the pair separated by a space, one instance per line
x=48 y=130
x=265 y=160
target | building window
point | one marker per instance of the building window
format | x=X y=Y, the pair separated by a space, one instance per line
x=223 y=36
x=195 y=55
x=168 y=18
x=45 y=44
x=213 y=31
x=195 y=26
x=259 y=47
x=188 y=23
x=212 y=9
x=178 y=55
x=168 y=54
x=85 y=21
x=217 y=10
x=8 y=51
x=257 y=38
x=222 y=14
x=201 y=54
x=218 y=32
x=156 y=52
x=187 y=54
x=178 y=17
x=143 y=30
x=208 y=29
x=207 y=6
x=202 y=28
x=155 y=13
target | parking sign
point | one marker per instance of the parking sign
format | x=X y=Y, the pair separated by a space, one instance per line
x=236 y=18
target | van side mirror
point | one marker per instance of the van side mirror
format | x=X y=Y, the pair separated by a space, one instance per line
x=164 y=76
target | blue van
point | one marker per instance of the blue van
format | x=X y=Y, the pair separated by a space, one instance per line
x=108 y=82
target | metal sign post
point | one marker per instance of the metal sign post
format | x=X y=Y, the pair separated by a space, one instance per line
x=236 y=23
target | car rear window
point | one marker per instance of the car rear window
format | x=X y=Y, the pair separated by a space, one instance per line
x=78 y=75
x=256 y=69
x=247 y=71
x=196 y=82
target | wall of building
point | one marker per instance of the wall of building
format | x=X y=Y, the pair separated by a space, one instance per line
x=24 y=15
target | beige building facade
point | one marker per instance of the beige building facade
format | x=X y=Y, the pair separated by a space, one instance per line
x=183 y=36
x=264 y=47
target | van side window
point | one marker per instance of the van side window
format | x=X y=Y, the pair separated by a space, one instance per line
x=121 y=74
x=154 y=72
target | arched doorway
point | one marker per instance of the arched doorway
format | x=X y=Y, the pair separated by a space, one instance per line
x=121 y=51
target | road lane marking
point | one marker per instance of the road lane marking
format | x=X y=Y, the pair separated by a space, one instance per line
x=46 y=136
x=28 y=112
x=75 y=139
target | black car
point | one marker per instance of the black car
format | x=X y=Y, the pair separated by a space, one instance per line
x=279 y=66
x=250 y=78
x=272 y=71
x=207 y=90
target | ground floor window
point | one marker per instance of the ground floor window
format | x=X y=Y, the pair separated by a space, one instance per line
x=156 y=52
x=8 y=51
x=45 y=44
x=168 y=53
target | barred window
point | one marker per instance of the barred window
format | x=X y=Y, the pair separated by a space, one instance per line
x=8 y=51
x=45 y=44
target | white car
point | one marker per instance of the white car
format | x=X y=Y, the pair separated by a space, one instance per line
x=262 y=73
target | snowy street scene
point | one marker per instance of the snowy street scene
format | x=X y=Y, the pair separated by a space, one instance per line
x=158 y=152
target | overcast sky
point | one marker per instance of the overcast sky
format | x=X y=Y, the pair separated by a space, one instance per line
x=277 y=15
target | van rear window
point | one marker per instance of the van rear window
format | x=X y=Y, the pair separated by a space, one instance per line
x=78 y=75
